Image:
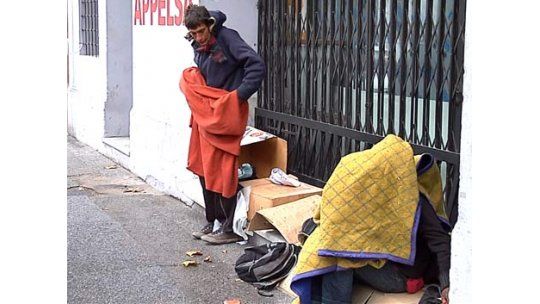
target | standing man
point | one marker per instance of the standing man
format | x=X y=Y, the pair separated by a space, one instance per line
x=229 y=72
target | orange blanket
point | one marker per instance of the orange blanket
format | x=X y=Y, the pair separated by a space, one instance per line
x=218 y=121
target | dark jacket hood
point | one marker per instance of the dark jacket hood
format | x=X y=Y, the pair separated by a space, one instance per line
x=220 y=19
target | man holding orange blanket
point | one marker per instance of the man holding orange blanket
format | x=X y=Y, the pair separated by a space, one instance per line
x=228 y=73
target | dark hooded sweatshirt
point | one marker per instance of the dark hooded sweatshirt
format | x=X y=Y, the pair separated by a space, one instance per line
x=230 y=64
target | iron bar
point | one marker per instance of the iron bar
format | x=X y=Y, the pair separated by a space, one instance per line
x=442 y=155
x=438 y=141
x=381 y=68
x=392 y=91
x=415 y=71
x=403 y=70
x=368 y=127
x=426 y=71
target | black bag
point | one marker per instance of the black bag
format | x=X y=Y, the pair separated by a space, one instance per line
x=266 y=265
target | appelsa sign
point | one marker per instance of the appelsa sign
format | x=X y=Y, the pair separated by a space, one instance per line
x=160 y=12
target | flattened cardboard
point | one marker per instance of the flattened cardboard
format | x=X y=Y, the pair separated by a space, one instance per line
x=361 y=294
x=287 y=218
x=265 y=194
x=394 y=298
x=367 y=295
x=255 y=182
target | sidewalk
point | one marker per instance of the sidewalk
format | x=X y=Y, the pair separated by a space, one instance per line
x=127 y=242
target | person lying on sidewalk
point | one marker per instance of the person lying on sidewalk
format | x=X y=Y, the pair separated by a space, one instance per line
x=432 y=263
x=229 y=72
x=381 y=221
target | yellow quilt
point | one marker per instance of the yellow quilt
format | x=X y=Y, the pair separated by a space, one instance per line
x=369 y=212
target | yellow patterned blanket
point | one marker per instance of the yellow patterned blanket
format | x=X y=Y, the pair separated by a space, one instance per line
x=369 y=212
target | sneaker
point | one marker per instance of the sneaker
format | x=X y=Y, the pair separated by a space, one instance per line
x=432 y=295
x=279 y=177
x=204 y=231
x=220 y=237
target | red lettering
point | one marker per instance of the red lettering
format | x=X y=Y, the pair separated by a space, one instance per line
x=178 y=19
x=170 y=19
x=145 y=5
x=138 y=13
x=161 y=5
x=153 y=7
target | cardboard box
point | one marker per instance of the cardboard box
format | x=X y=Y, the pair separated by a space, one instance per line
x=263 y=150
x=264 y=194
x=287 y=219
x=395 y=298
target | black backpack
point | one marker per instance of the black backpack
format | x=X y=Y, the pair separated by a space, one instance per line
x=266 y=265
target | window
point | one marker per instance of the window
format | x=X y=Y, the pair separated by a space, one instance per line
x=88 y=28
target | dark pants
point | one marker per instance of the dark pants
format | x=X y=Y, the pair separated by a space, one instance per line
x=219 y=208
x=336 y=287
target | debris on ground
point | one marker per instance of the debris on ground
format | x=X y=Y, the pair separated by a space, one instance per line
x=232 y=301
x=132 y=189
x=188 y=263
x=193 y=252
x=112 y=167
x=208 y=259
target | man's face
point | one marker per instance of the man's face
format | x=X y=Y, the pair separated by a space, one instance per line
x=201 y=34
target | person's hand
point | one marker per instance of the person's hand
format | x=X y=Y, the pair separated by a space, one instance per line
x=444 y=296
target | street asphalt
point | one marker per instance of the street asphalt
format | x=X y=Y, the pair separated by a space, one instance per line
x=127 y=241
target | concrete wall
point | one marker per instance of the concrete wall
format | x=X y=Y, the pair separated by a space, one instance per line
x=160 y=115
x=242 y=16
x=99 y=94
x=87 y=90
x=461 y=261
x=119 y=68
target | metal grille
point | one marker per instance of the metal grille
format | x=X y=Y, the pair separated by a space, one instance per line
x=341 y=75
x=88 y=28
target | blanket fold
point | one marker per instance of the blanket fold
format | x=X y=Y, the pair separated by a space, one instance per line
x=218 y=121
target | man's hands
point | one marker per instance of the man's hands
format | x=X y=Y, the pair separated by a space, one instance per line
x=444 y=296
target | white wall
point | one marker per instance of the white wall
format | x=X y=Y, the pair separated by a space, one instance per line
x=461 y=261
x=160 y=115
x=87 y=91
x=159 y=131
x=242 y=16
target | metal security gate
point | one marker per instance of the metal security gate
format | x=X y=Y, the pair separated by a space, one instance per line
x=341 y=75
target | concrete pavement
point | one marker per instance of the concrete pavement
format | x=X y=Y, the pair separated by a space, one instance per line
x=127 y=242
